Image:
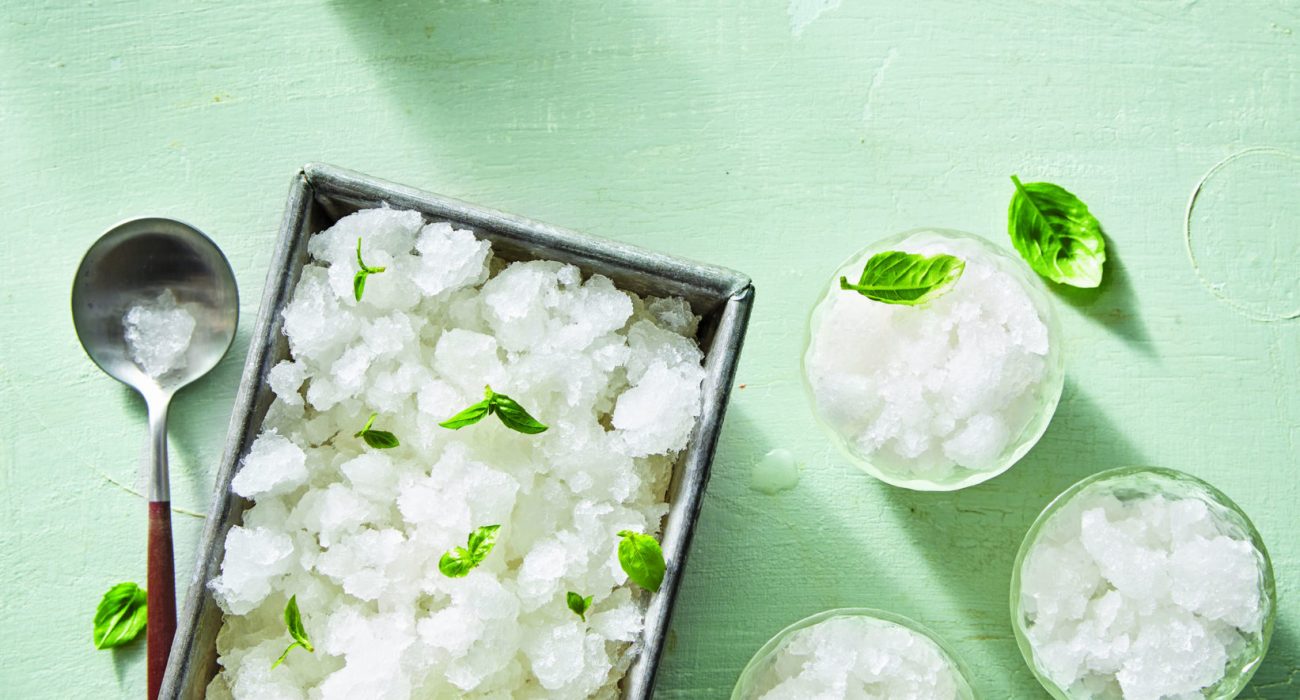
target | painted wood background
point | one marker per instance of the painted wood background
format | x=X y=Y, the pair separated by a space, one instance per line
x=774 y=138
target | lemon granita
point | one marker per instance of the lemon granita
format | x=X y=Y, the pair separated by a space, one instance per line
x=941 y=394
x=1143 y=584
x=356 y=533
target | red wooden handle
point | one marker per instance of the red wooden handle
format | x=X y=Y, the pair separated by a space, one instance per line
x=161 y=593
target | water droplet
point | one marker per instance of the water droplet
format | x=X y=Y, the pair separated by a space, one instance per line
x=777 y=471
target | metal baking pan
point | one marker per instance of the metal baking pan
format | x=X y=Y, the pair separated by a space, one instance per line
x=322 y=194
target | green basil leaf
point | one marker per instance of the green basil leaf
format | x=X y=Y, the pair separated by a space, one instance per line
x=363 y=271
x=514 y=416
x=578 y=604
x=461 y=560
x=482 y=540
x=120 y=616
x=359 y=284
x=380 y=439
x=287 y=649
x=456 y=563
x=1054 y=232
x=469 y=416
x=642 y=559
x=895 y=277
x=369 y=422
x=293 y=622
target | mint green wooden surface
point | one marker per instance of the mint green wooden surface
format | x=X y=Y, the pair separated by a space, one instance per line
x=752 y=134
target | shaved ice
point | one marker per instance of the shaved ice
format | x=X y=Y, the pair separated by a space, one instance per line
x=1142 y=594
x=356 y=533
x=158 y=334
x=854 y=656
x=946 y=393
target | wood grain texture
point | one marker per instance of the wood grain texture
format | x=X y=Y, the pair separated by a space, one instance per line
x=705 y=129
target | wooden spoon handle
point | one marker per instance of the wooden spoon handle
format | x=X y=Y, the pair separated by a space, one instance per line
x=161 y=593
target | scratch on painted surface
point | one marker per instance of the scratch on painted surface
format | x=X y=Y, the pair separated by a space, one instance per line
x=805 y=12
x=40 y=427
x=175 y=509
x=877 y=79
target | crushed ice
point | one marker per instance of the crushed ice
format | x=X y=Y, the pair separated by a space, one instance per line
x=927 y=391
x=158 y=334
x=1142 y=599
x=356 y=534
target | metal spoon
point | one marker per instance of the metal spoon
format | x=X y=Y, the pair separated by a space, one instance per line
x=133 y=263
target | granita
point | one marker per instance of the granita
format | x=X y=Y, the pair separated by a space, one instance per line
x=1143 y=586
x=436 y=538
x=943 y=392
x=849 y=654
x=158 y=334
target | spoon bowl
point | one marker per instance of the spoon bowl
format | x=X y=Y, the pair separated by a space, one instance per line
x=133 y=264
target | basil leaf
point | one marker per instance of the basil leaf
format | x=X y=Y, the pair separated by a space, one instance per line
x=482 y=540
x=120 y=616
x=284 y=654
x=578 y=604
x=359 y=284
x=461 y=560
x=293 y=622
x=512 y=415
x=895 y=277
x=469 y=416
x=1054 y=232
x=515 y=417
x=380 y=439
x=642 y=559
x=456 y=563
x=369 y=422
x=363 y=271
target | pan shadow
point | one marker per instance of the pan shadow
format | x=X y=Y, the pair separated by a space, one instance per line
x=493 y=88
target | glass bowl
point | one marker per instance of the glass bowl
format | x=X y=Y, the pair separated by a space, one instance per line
x=1129 y=483
x=760 y=665
x=1024 y=429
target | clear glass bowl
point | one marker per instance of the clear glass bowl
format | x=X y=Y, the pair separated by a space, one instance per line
x=761 y=662
x=966 y=246
x=1129 y=483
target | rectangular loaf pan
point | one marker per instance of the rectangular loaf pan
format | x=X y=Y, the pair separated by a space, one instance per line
x=321 y=195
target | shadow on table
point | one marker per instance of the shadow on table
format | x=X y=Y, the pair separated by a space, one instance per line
x=502 y=88
x=971 y=536
x=1113 y=305
x=773 y=557
x=128 y=659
